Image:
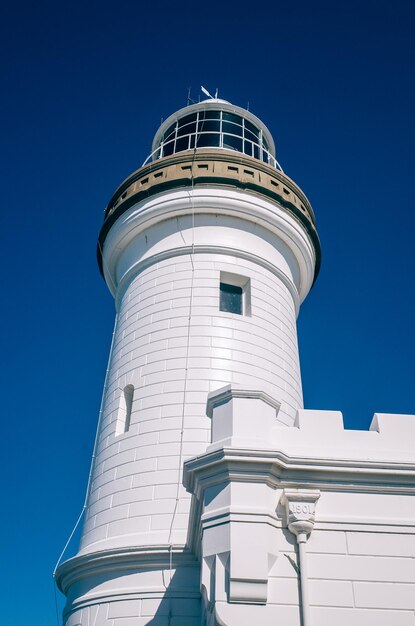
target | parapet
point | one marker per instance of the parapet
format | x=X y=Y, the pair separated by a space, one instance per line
x=390 y=437
x=243 y=419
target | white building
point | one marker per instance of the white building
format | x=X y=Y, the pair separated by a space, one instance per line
x=215 y=498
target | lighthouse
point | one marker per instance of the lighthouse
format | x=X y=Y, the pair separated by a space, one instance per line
x=209 y=250
x=208 y=474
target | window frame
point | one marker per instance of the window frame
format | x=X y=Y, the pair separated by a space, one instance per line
x=234 y=127
x=243 y=282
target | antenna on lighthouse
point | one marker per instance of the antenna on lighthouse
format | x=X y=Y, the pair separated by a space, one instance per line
x=205 y=91
x=189 y=98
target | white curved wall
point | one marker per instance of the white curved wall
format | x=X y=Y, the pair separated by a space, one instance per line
x=162 y=261
x=174 y=349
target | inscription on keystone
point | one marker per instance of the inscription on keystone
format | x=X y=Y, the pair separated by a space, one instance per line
x=305 y=508
x=301 y=508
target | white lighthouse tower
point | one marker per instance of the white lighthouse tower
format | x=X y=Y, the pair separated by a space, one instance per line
x=208 y=250
x=208 y=474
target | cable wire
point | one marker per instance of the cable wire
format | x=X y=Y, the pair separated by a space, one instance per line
x=94 y=451
x=56 y=603
x=176 y=504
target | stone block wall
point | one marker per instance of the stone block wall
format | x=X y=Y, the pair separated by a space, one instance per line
x=360 y=551
x=174 y=349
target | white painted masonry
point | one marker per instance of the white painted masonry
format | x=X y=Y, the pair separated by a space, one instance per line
x=361 y=546
x=174 y=345
x=217 y=499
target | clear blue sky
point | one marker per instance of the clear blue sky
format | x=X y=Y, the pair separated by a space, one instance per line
x=85 y=85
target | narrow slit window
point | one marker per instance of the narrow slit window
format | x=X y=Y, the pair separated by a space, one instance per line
x=124 y=410
x=234 y=294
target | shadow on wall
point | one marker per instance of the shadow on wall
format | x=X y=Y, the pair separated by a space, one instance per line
x=180 y=605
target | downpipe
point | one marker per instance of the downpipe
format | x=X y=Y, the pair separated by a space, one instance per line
x=300 y=507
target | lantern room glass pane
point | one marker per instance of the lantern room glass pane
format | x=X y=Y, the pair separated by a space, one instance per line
x=235 y=143
x=209 y=115
x=248 y=147
x=169 y=134
x=251 y=136
x=234 y=129
x=168 y=148
x=249 y=126
x=207 y=140
x=209 y=125
x=231 y=117
x=186 y=130
x=182 y=143
x=187 y=119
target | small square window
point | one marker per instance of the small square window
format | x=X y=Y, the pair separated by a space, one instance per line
x=234 y=294
x=230 y=298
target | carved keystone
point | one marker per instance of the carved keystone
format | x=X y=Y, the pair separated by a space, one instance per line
x=300 y=506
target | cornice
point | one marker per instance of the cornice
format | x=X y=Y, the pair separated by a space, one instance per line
x=220 y=156
x=181 y=171
x=216 y=398
x=278 y=469
x=120 y=559
x=138 y=267
x=215 y=202
x=93 y=599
